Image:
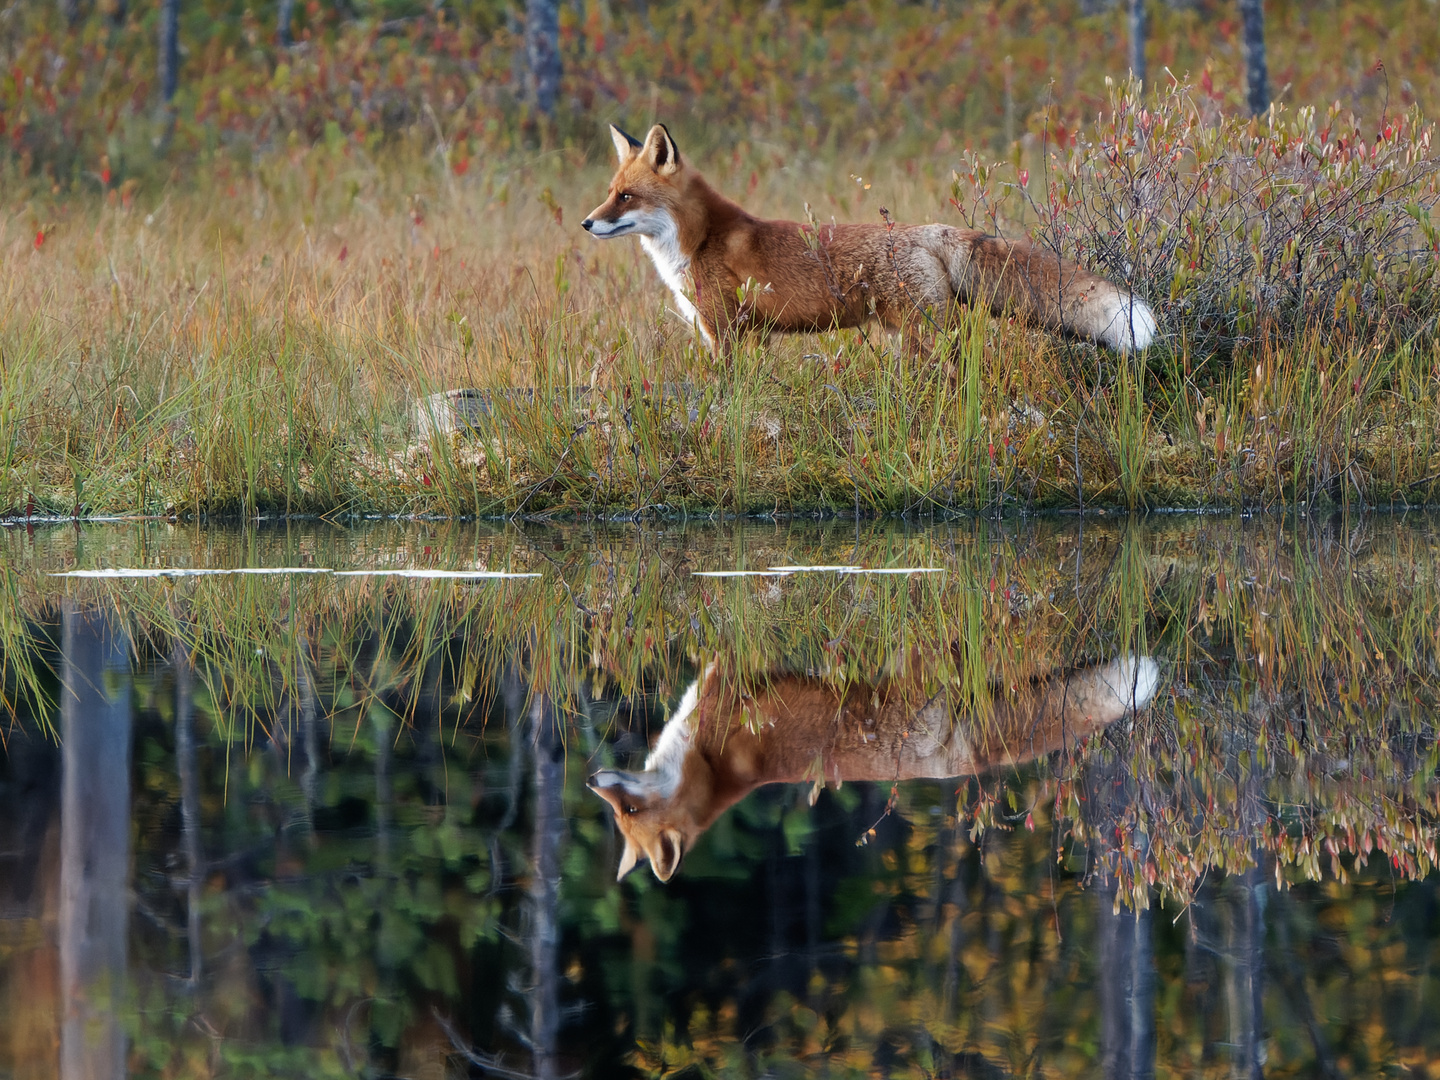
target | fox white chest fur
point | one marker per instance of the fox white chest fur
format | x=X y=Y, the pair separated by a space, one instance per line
x=673 y=268
x=667 y=759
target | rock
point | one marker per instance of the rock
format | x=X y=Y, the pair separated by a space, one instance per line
x=450 y=411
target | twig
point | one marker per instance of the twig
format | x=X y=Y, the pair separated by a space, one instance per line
x=488 y=1062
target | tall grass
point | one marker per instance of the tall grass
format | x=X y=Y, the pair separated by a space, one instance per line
x=258 y=346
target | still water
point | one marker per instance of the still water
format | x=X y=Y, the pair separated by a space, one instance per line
x=1115 y=798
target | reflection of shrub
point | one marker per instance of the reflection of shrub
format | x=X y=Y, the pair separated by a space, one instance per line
x=1233 y=224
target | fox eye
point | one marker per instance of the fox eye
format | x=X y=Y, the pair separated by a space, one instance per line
x=625 y=196
x=632 y=809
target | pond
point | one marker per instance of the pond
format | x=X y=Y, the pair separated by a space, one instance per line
x=1052 y=797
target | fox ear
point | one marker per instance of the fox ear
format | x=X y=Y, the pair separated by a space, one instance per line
x=665 y=855
x=625 y=144
x=660 y=153
x=630 y=859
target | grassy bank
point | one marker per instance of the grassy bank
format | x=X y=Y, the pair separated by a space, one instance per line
x=252 y=344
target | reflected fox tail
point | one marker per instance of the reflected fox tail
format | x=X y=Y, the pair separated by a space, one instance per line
x=1132 y=679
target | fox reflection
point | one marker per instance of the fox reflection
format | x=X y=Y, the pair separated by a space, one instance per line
x=723 y=743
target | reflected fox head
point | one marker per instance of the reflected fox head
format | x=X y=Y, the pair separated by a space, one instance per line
x=662 y=809
x=649 y=821
x=645 y=192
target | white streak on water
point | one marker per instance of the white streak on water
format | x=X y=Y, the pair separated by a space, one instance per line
x=740 y=573
x=273 y=570
x=175 y=571
x=445 y=574
x=785 y=571
x=896 y=570
x=178 y=572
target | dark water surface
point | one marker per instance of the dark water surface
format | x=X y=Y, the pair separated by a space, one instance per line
x=1143 y=798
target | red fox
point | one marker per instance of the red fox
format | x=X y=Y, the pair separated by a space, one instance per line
x=779 y=275
x=720 y=745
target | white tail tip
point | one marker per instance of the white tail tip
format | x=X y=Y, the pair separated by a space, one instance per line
x=1134 y=680
x=1129 y=324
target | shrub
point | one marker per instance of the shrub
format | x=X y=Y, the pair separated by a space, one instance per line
x=1234 y=225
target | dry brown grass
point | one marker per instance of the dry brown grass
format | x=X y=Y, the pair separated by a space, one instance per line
x=257 y=346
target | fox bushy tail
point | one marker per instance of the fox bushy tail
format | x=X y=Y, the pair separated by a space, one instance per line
x=1020 y=277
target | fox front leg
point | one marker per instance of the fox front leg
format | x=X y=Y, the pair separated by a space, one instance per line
x=720 y=315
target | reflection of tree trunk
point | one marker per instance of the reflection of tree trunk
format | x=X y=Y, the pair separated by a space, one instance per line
x=294 y=728
x=309 y=737
x=1245 y=930
x=431 y=697
x=1127 y=981
x=1244 y=979
x=94 y=843
x=549 y=750
x=185 y=765
x=1126 y=967
x=814 y=918
x=512 y=689
x=384 y=793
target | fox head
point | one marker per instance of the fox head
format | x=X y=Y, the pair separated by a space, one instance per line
x=651 y=819
x=645 y=191
x=662 y=810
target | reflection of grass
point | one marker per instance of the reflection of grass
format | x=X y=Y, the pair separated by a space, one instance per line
x=1303 y=657
x=24 y=689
